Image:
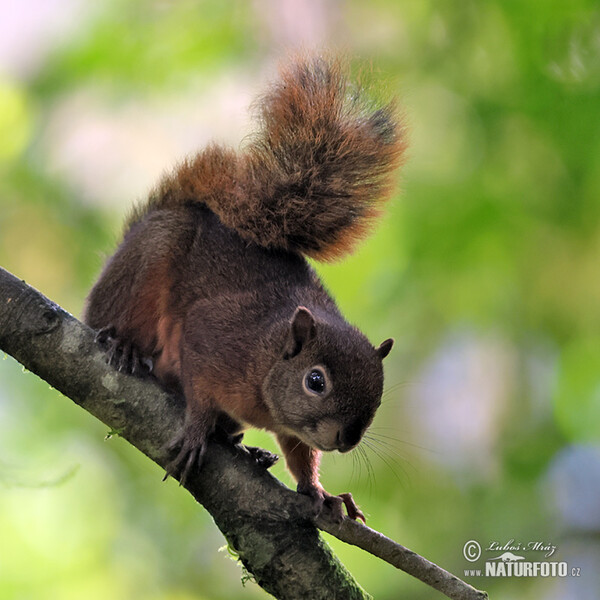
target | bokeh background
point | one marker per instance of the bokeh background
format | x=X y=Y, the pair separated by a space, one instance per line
x=486 y=271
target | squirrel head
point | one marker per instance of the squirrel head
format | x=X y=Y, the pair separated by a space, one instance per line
x=326 y=385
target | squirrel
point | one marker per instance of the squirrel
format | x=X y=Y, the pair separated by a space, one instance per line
x=211 y=290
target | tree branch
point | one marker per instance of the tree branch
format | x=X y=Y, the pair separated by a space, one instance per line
x=267 y=524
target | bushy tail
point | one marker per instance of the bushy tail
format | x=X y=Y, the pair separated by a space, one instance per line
x=314 y=176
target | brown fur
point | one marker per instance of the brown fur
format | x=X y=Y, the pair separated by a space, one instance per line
x=211 y=283
x=302 y=460
x=315 y=175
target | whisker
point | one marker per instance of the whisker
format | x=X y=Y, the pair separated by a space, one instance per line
x=380 y=454
x=375 y=434
x=395 y=386
x=387 y=393
x=392 y=453
x=292 y=450
x=354 y=459
x=388 y=447
x=370 y=472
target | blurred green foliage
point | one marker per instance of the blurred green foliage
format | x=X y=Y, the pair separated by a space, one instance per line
x=485 y=271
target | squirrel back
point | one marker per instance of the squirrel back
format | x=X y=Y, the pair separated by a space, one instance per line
x=314 y=176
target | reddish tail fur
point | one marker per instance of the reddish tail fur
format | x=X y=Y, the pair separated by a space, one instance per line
x=315 y=175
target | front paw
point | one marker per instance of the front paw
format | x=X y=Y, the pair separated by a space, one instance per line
x=323 y=500
x=191 y=443
x=351 y=507
x=263 y=457
x=122 y=354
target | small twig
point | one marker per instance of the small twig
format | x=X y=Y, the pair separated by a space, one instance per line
x=377 y=544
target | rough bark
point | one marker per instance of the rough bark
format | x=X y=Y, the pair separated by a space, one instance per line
x=269 y=526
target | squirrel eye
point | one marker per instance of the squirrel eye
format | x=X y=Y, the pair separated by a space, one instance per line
x=314 y=381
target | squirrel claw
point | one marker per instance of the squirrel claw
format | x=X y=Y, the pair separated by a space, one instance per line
x=334 y=504
x=192 y=446
x=351 y=507
x=122 y=354
x=263 y=457
x=316 y=494
x=104 y=334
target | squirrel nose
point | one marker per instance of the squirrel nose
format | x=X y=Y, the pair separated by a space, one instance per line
x=341 y=445
x=349 y=436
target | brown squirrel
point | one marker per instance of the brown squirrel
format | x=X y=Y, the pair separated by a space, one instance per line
x=211 y=289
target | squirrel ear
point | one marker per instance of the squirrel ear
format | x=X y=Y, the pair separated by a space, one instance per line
x=384 y=348
x=302 y=330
